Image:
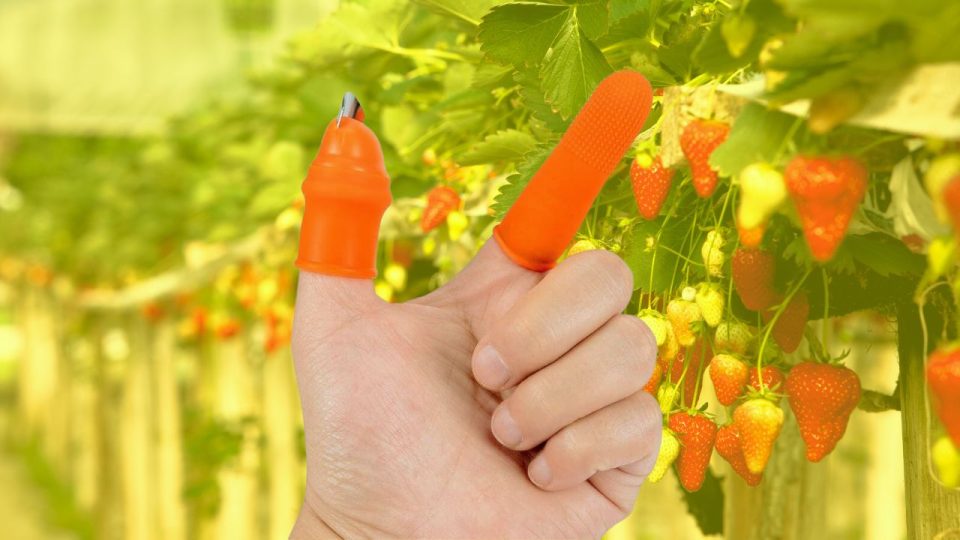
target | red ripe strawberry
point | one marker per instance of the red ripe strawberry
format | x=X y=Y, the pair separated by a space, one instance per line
x=729 y=375
x=698 y=141
x=729 y=447
x=651 y=184
x=152 y=311
x=752 y=271
x=751 y=238
x=696 y=433
x=655 y=377
x=759 y=422
x=788 y=330
x=951 y=200
x=772 y=379
x=826 y=192
x=822 y=397
x=441 y=200
x=227 y=328
x=943 y=376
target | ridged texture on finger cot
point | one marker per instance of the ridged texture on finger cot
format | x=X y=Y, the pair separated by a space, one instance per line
x=548 y=213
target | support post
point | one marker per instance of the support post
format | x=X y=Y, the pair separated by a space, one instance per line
x=933 y=511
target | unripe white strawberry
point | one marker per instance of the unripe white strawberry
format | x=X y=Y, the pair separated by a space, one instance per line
x=762 y=191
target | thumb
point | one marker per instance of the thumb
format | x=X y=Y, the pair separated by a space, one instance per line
x=548 y=213
x=346 y=192
x=326 y=303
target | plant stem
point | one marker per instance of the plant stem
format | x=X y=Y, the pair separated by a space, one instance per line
x=773 y=321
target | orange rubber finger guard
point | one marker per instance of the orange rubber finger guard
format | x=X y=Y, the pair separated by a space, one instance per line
x=347 y=188
x=546 y=216
x=346 y=192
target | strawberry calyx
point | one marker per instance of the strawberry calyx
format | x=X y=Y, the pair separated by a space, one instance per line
x=766 y=393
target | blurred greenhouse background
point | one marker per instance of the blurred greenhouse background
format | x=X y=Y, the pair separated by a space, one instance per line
x=150 y=160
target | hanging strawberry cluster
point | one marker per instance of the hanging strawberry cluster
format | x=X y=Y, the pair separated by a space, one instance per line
x=742 y=322
x=750 y=344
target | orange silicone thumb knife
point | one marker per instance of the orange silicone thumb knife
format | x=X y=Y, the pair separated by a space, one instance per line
x=346 y=192
x=546 y=216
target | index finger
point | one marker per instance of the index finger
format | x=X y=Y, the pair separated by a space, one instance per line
x=548 y=213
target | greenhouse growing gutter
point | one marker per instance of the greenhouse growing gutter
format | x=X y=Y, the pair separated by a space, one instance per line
x=183 y=278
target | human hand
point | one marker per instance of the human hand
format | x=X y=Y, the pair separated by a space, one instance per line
x=508 y=403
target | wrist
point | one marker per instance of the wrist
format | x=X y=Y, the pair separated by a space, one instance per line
x=310 y=526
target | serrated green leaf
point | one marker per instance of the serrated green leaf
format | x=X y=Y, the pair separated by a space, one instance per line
x=594 y=17
x=517 y=181
x=573 y=68
x=650 y=250
x=621 y=9
x=799 y=85
x=678 y=47
x=535 y=102
x=521 y=33
x=756 y=135
x=713 y=52
x=469 y=11
x=504 y=145
x=490 y=74
x=884 y=255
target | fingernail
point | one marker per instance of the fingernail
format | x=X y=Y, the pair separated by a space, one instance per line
x=505 y=428
x=539 y=472
x=489 y=368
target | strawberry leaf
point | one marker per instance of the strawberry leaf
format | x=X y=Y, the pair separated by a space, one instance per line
x=757 y=135
x=593 y=16
x=650 y=251
x=504 y=145
x=573 y=67
x=517 y=181
x=469 y=11
x=521 y=33
x=885 y=255
x=621 y=9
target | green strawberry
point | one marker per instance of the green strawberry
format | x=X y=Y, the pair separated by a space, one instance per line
x=711 y=301
x=669 y=450
x=946 y=458
x=584 y=244
x=733 y=337
x=762 y=191
x=667 y=396
x=682 y=313
x=657 y=324
x=712 y=253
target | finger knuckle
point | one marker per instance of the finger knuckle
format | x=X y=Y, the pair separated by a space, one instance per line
x=528 y=402
x=638 y=342
x=648 y=415
x=526 y=334
x=567 y=444
x=609 y=272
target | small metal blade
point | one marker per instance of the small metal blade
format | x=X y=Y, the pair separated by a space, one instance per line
x=350 y=107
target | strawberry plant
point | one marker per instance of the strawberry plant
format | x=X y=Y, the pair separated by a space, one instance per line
x=801 y=164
